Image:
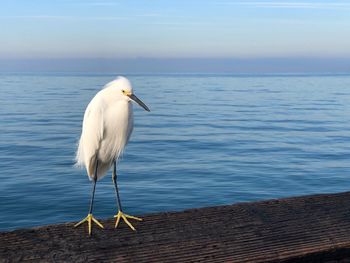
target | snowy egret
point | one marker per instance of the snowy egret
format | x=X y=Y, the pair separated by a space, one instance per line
x=107 y=126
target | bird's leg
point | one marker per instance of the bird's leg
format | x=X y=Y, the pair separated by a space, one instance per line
x=89 y=219
x=120 y=214
x=114 y=179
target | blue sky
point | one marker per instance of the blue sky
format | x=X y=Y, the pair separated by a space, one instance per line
x=174 y=29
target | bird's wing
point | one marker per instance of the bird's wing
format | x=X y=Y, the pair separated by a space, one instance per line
x=92 y=133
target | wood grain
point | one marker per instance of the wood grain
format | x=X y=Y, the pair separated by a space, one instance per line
x=302 y=229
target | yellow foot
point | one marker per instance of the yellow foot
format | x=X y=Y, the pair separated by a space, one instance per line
x=125 y=218
x=89 y=219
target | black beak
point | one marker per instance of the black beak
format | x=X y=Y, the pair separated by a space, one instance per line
x=138 y=101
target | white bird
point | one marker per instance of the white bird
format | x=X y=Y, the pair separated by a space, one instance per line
x=107 y=126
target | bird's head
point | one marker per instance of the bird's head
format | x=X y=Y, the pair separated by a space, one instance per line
x=123 y=86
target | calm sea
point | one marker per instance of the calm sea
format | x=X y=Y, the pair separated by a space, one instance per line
x=208 y=140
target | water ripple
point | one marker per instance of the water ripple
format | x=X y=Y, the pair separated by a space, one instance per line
x=209 y=140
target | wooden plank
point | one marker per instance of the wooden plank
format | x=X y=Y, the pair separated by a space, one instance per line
x=302 y=229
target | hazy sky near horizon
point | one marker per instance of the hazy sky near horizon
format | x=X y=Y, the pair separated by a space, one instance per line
x=174 y=29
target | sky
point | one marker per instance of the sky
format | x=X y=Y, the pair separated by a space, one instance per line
x=181 y=29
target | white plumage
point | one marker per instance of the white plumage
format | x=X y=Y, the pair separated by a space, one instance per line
x=107 y=126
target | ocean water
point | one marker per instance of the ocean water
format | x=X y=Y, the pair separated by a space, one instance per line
x=208 y=140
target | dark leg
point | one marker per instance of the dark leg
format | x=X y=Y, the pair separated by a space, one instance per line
x=93 y=188
x=120 y=214
x=114 y=179
x=89 y=219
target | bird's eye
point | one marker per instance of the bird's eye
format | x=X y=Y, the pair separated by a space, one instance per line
x=123 y=91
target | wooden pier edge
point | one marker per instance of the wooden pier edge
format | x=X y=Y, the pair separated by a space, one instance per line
x=313 y=228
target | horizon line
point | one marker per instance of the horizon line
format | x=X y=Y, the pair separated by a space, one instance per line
x=177 y=58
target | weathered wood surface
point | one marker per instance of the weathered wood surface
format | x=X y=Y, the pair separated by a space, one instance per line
x=303 y=229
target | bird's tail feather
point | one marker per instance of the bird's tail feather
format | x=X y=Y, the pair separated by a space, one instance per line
x=79 y=157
